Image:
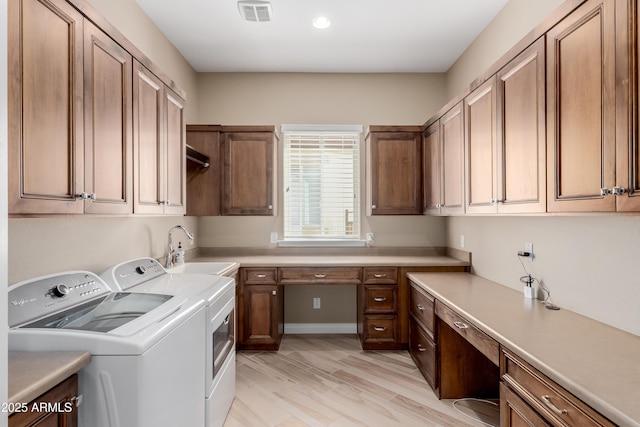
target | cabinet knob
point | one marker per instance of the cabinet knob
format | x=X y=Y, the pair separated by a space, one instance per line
x=374 y=206
x=273 y=293
x=420 y=307
x=270 y=207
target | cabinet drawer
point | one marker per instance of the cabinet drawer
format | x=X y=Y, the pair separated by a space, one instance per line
x=423 y=350
x=381 y=275
x=380 y=328
x=320 y=275
x=380 y=299
x=422 y=308
x=555 y=403
x=259 y=275
x=483 y=342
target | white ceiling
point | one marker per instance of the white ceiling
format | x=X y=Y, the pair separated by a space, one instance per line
x=365 y=36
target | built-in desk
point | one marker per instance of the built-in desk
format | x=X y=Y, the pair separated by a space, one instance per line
x=596 y=363
x=378 y=273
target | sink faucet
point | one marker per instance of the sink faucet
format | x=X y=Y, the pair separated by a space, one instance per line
x=171 y=252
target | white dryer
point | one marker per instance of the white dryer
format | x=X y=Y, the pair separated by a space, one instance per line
x=218 y=295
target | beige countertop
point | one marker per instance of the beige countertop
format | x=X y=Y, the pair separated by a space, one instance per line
x=598 y=363
x=33 y=373
x=301 y=257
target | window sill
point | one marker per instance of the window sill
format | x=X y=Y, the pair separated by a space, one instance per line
x=321 y=243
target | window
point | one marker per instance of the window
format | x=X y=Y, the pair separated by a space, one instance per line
x=322 y=183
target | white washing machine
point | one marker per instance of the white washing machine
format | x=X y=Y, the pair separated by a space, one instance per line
x=218 y=295
x=147 y=348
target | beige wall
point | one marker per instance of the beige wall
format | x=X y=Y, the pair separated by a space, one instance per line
x=588 y=262
x=136 y=26
x=309 y=98
x=47 y=245
x=515 y=20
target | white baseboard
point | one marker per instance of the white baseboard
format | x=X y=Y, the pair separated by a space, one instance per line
x=320 y=328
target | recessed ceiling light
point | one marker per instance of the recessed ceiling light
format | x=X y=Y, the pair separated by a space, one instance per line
x=321 y=22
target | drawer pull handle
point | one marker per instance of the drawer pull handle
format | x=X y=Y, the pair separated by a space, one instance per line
x=547 y=401
x=420 y=307
x=261 y=276
x=379 y=276
x=320 y=276
x=379 y=328
x=460 y=325
x=273 y=293
x=379 y=299
x=421 y=348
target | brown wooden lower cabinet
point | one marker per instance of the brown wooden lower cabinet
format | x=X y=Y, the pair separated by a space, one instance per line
x=260 y=308
x=56 y=407
x=514 y=412
x=382 y=307
x=548 y=400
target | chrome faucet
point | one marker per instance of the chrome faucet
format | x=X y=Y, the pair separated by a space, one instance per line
x=171 y=252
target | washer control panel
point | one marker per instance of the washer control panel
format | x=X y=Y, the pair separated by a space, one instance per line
x=135 y=272
x=42 y=296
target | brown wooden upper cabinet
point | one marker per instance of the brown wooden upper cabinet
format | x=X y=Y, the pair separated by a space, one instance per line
x=45 y=119
x=73 y=110
x=249 y=170
x=505 y=138
x=107 y=124
x=158 y=146
x=480 y=148
x=581 y=109
x=394 y=170
x=443 y=164
x=203 y=184
x=628 y=128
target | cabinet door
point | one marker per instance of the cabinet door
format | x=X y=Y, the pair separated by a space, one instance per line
x=395 y=173
x=203 y=185
x=521 y=165
x=452 y=161
x=514 y=412
x=248 y=175
x=480 y=148
x=148 y=153
x=45 y=86
x=107 y=124
x=431 y=167
x=260 y=316
x=627 y=117
x=175 y=165
x=581 y=109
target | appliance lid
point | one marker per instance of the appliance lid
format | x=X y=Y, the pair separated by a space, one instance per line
x=103 y=314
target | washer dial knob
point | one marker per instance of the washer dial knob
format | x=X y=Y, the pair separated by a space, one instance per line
x=60 y=290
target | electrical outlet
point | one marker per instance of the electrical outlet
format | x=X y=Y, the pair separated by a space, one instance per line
x=462 y=241
x=274 y=237
x=528 y=247
x=369 y=237
x=316 y=303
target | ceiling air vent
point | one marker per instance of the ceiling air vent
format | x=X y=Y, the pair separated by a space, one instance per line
x=255 y=11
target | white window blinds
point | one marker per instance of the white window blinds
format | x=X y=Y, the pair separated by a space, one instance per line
x=321 y=184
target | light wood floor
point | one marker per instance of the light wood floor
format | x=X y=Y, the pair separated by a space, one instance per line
x=327 y=380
